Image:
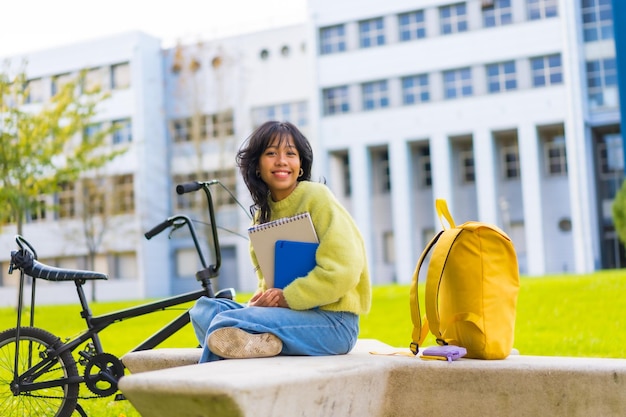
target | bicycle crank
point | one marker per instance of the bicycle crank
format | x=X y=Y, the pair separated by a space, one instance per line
x=102 y=372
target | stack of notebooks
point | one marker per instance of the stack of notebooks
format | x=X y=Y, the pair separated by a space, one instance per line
x=285 y=248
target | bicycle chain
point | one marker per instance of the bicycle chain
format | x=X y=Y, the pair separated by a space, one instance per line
x=50 y=397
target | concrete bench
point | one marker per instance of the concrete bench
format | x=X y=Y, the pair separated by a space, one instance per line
x=169 y=382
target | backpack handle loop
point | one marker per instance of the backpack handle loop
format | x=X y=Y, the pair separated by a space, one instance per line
x=444 y=213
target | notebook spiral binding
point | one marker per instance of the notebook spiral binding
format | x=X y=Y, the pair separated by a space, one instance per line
x=277 y=222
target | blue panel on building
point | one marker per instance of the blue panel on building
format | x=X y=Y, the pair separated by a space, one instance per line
x=619 y=15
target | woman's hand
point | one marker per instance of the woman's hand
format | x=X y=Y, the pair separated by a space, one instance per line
x=271 y=298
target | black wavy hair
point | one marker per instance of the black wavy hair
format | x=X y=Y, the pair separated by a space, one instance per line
x=250 y=153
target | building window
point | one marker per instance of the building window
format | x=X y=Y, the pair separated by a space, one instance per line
x=389 y=248
x=34 y=89
x=411 y=26
x=546 y=70
x=345 y=169
x=542 y=9
x=381 y=167
x=181 y=130
x=510 y=161
x=332 y=39
x=555 y=156
x=123 y=194
x=93 y=196
x=60 y=81
x=415 y=89
x=91 y=130
x=597 y=20
x=602 y=83
x=66 y=201
x=501 y=77
x=375 y=95
x=93 y=80
x=610 y=153
x=120 y=76
x=457 y=83
x=497 y=13
x=123 y=131
x=37 y=210
x=453 y=18
x=296 y=113
x=213 y=126
x=336 y=100
x=371 y=33
x=186 y=262
x=424 y=167
x=466 y=156
x=123 y=266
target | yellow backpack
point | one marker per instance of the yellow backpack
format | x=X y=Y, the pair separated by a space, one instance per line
x=472 y=284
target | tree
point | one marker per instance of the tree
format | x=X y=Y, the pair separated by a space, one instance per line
x=44 y=146
x=619 y=213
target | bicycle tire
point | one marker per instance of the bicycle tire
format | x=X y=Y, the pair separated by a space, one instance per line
x=55 y=401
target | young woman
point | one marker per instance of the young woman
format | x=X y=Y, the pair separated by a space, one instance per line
x=317 y=314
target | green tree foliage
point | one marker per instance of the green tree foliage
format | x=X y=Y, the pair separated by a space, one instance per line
x=44 y=145
x=619 y=213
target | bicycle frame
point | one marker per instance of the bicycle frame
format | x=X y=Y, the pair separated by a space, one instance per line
x=26 y=381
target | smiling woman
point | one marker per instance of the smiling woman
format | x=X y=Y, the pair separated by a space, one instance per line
x=317 y=313
x=184 y=21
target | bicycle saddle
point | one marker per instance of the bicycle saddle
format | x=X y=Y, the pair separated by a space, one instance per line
x=23 y=259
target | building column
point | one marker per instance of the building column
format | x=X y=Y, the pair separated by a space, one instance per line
x=580 y=150
x=360 y=183
x=486 y=185
x=442 y=170
x=404 y=242
x=530 y=158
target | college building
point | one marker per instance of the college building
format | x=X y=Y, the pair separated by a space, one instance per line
x=508 y=109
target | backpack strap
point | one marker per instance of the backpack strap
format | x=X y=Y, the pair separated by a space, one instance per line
x=420 y=326
x=435 y=274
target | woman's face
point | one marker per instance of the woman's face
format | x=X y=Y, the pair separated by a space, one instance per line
x=279 y=167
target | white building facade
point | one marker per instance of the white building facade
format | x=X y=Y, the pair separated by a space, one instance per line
x=508 y=109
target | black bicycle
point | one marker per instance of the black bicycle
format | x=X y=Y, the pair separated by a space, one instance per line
x=39 y=372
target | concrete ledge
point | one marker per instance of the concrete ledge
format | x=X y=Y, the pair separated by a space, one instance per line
x=360 y=384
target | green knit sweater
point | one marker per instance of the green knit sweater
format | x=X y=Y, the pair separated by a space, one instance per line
x=340 y=281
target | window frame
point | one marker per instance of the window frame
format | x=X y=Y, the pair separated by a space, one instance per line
x=371 y=33
x=415 y=89
x=413 y=28
x=332 y=39
x=459 y=82
x=336 y=100
x=549 y=73
x=453 y=19
x=375 y=95
x=504 y=77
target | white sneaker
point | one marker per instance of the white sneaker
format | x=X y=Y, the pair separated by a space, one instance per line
x=234 y=343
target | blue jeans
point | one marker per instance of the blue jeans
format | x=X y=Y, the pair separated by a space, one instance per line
x=309 y=332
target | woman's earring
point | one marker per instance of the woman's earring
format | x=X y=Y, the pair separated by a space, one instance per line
x=258 y=174
x=301 y=173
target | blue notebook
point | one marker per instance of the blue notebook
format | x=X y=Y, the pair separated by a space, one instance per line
x=292 y=260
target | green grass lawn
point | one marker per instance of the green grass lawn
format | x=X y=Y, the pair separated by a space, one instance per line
x=565 y=315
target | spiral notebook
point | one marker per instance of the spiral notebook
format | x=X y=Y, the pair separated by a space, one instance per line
x=264 y=236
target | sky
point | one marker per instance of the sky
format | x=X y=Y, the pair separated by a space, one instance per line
x=33 y=25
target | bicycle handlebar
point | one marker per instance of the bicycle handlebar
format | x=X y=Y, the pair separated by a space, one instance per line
x=189 y=187
x=158 y=228
x=180 y=220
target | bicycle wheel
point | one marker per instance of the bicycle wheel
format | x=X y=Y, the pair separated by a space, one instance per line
x=57 y=401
